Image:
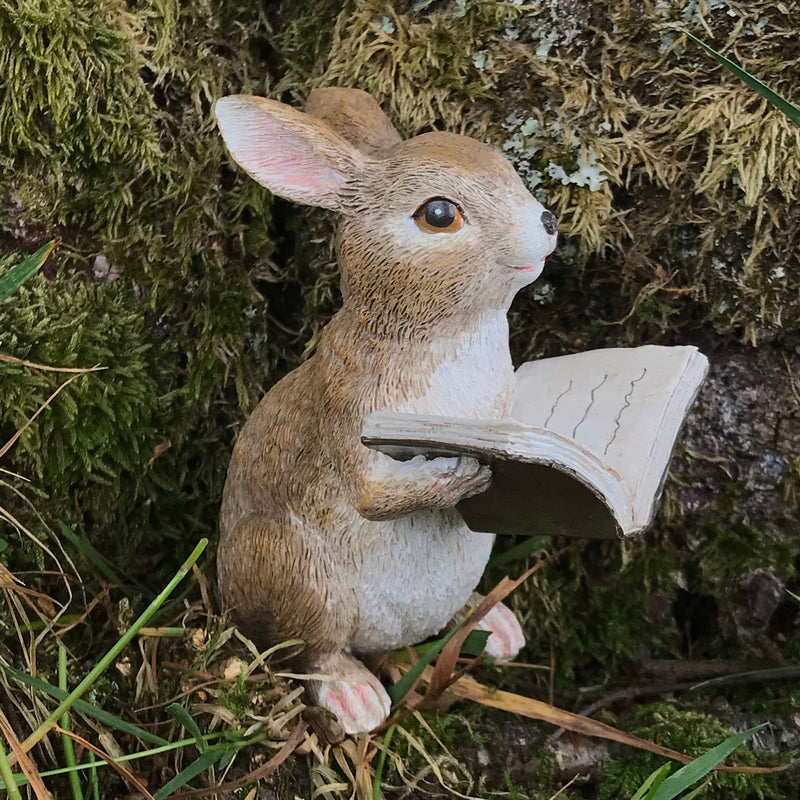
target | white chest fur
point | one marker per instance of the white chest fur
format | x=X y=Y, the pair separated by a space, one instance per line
x=419 y=570
x=472 y=378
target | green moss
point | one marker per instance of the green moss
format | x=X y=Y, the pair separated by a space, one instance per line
x=790 y=480
x=423 y=68
x=690 y=732
x=590 y=609
x=52 y=54
x=792 y=647
x=103 y=426
x=235 y=697
x=779 y=699
x=728 y=550
x=107 y=142
x=547 y=781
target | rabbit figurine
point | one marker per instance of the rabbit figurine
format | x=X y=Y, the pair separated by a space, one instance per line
x=323 y=539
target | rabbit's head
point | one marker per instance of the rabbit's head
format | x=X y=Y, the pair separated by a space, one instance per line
x=433 y=229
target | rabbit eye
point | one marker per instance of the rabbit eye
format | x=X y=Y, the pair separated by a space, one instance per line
x=439 y=215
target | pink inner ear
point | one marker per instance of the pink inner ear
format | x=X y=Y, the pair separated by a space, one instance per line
x=291 y=167
x=293 y=157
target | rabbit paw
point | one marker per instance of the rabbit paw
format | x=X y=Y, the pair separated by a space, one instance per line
x=506 y=638
x=464 y=477
x=359 y=707
x=352 y=694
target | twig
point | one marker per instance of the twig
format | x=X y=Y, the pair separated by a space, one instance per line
x=26 y=764
x=34 y=365
x=203 y=584
x=660 y=689
x=792 y=379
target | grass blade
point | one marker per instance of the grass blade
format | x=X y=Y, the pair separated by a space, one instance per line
x=85 y=707
x=700 y=767
x=92 y=763
x=790 y=109
x=69 y=750
x=206 y=760
x=470 y=689
x=177 y=711
x=85 y=548
x=109 y=657
x=473 y=645
x=652 y=782
x=771 y=673
x=376 y=784
x=397 y=691
x=519 y=551
x=94 y=781
x=17 y=275
x=697 y=792
x=8 y=777
x=124 y=773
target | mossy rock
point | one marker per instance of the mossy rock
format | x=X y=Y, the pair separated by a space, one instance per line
x=693 y=733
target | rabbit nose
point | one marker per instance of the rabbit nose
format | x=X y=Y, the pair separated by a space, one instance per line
x=549 y=222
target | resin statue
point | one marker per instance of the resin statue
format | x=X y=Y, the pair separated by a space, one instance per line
x=323 y=539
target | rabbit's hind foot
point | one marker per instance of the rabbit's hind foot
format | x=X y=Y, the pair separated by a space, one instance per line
x=350 y=692
x=506 y=637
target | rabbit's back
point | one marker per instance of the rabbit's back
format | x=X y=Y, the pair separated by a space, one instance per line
x=276 y=456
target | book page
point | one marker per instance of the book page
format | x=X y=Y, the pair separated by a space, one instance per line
x=625 y=405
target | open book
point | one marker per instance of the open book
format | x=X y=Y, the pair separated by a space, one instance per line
x=585 y=450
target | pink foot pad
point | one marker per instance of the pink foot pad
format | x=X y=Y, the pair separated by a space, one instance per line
x=506 y=638
x=359 y=707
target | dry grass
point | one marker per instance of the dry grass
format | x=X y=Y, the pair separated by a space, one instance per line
x=199 y=685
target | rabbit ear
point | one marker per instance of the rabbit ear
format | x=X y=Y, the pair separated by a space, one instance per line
x=355 y=115
x=292 y=154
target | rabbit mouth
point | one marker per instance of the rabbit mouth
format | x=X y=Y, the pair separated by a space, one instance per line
x=532 y=268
